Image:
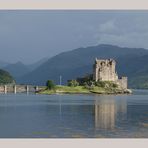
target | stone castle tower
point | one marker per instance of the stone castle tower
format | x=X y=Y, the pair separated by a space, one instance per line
x=105 y=70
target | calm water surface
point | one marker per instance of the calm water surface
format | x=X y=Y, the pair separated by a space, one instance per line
x=74 y=116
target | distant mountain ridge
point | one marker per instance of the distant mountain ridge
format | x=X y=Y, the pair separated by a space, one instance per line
x=37 y=64
x=78 y=62
x=17 y=69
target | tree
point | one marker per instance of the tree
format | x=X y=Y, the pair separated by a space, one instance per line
x=50 y=84
x=85 y=79
x=73 y=83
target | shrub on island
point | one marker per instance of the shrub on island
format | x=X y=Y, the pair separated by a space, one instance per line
x=73 y=83
x=50 y=84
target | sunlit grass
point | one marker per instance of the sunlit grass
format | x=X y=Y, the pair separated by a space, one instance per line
x=66 y=89
x=80 y=90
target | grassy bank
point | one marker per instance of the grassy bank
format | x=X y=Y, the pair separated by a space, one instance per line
x=81 y=90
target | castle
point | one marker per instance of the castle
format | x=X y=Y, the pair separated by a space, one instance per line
x=105 y=70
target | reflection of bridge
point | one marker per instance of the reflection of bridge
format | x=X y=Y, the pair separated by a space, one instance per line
x=107 y=110
x=19 y=88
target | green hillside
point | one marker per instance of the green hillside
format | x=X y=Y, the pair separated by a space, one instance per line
x=5 y=77
x=139 y=82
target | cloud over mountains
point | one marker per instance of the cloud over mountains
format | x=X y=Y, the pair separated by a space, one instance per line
x=32 y=35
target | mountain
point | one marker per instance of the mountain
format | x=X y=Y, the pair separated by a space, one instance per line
x=37 y=64
x=5 y=77
x=136 y=69
x=78 y=62
x=17 y=70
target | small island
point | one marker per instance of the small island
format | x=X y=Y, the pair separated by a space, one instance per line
x=104 y=80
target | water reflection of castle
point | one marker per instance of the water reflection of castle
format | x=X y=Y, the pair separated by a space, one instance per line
x=108 y=111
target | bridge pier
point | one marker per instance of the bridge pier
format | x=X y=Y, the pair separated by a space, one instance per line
x=5 y=89
x=14 y=89
x=27 y=89
x=36 y=88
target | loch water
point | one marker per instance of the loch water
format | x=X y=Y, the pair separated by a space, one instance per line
x=74 y=116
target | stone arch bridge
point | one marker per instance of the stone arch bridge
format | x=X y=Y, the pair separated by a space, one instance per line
x=19 y=88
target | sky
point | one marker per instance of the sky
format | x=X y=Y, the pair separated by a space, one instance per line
x=29 y=36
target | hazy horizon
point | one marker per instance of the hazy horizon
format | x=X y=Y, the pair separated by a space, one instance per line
x=30 y=35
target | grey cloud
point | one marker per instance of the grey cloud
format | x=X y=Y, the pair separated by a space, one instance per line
x=31 y=35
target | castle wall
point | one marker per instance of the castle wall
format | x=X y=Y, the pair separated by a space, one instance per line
x=122 y=83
